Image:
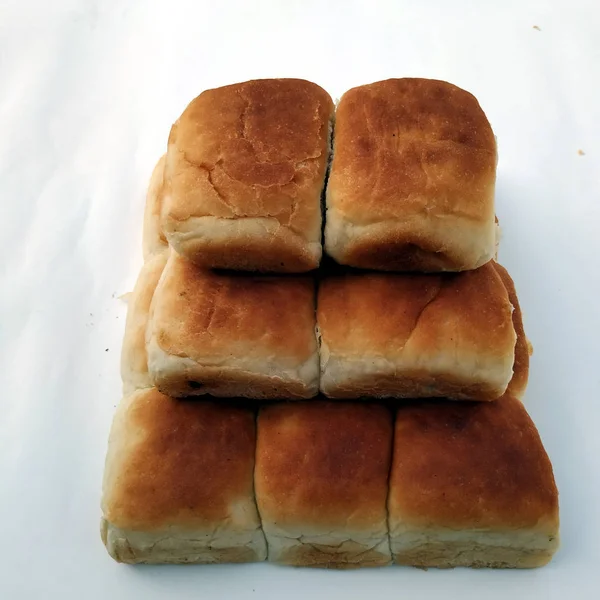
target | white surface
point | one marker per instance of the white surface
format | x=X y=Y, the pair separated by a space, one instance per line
x=88 y=91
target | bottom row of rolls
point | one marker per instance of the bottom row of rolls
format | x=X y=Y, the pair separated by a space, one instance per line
x=328 y=484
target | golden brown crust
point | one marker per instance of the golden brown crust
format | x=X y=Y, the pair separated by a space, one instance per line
x=231 y=329
x=391 y=253
x=425 y=331
x=153 y=238
x=470 y=465
x=409 y=153
x=134 y=358
x=253 y=150
x=518 y=383
x=323 y=465
x=397 y=138
x=252 y=138
x=177 y=463
x=365 y=313
x=203 y=313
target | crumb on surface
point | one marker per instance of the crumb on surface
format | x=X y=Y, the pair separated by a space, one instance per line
x=537 y=27
x=580 y=152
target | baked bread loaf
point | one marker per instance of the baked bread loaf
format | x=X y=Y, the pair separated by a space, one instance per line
x=321 y=483
x=153 y=239
x=412 y=179
x=244 y=176
x=231 y=335
x=471 y=486
x=416 y=336
x=134 y=359
x=178 y=483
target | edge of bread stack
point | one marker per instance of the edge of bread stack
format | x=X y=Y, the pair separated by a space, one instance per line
x=353 y=408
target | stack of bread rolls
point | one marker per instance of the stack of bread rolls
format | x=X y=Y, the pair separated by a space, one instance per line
x=323 y=363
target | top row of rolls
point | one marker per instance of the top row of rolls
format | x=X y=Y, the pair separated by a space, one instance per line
x=406 y=168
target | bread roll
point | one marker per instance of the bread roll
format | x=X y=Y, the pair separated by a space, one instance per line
x=412 y=179
x=178 y=484
x=134 y=359
x=153 y=239
x=244 y=175
x=416 y=336
x=471 y=486
x=321 y=483
x=228 y=334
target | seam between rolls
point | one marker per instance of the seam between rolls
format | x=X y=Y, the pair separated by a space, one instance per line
x=254 y=496
x=326 y=178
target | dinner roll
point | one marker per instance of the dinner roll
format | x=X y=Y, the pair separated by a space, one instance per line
x=412 y=179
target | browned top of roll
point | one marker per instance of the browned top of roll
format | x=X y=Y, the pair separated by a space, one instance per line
x=178 y=463
x=252 y=149
x=206 y=315
x=323 y=464
x=409 y=147
x=470 y=465
x=376 y=313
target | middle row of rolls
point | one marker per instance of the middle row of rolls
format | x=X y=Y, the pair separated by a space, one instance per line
x=347 y=334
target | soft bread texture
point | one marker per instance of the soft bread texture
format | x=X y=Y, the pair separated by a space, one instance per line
x=412 y=179
x=134 y=359
x=244 y=175
x=178 y=483
x=416 y=336
x=471 y=485
x=232 y=335
x=523 y=348
x=153 y=239
x=321 y=483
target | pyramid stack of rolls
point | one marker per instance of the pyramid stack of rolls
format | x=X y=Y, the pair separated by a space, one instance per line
x=323 y=363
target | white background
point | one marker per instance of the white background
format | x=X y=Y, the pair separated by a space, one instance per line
x=88 y=91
